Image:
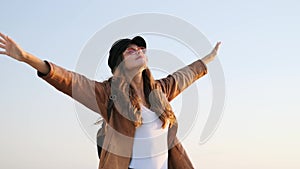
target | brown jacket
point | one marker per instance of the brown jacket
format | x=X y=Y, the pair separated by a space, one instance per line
x=117 y=147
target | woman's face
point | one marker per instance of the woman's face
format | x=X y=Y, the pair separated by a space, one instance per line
x=135 y=58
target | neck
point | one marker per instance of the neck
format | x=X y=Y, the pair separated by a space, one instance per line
x=138 y=85
x=136 y=81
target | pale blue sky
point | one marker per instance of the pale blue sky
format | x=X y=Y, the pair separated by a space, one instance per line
x=259 y=129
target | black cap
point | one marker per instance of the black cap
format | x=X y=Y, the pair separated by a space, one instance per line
x=115 y=52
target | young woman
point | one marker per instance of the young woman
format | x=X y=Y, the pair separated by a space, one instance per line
x=141 y=125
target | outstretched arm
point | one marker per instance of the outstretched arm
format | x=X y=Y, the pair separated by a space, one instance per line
x=175 y=83
x=90 y=93
x=11 y=48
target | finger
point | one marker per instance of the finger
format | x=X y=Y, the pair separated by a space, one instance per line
x=217 y=45
x=3 y=53
x=2 y=41
x=2 y=36
x=10 y=39
x=2 y=46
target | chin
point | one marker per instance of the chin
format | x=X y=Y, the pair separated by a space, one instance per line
x=142 y=63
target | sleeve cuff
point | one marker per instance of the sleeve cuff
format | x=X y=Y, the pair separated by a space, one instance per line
x=204 y=66
x=42 y=74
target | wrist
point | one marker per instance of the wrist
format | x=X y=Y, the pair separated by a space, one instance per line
x=25 y=57
x=206 y=59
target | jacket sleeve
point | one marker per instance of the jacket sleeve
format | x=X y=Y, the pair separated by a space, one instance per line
x=175 y=83
x=90 y=93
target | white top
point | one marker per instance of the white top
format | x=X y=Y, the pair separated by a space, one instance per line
x=150 y=145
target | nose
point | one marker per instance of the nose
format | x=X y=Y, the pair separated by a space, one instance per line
x=140 y=50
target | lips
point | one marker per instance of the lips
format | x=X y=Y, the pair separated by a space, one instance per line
x=139 y=57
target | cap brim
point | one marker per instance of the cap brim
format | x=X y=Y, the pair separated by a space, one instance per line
x=139 y=41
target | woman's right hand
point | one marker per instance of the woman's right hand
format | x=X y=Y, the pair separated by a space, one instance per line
x=11 y=48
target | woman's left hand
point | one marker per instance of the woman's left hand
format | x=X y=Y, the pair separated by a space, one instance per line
x=211 y=56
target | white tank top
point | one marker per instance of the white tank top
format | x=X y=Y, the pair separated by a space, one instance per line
x=150 y=145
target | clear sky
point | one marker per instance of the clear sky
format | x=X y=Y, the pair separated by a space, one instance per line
x=259 y=55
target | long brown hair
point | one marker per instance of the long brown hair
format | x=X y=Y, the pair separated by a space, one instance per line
x=155 y=98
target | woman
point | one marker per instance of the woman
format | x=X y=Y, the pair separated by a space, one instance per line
x=141 y=125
